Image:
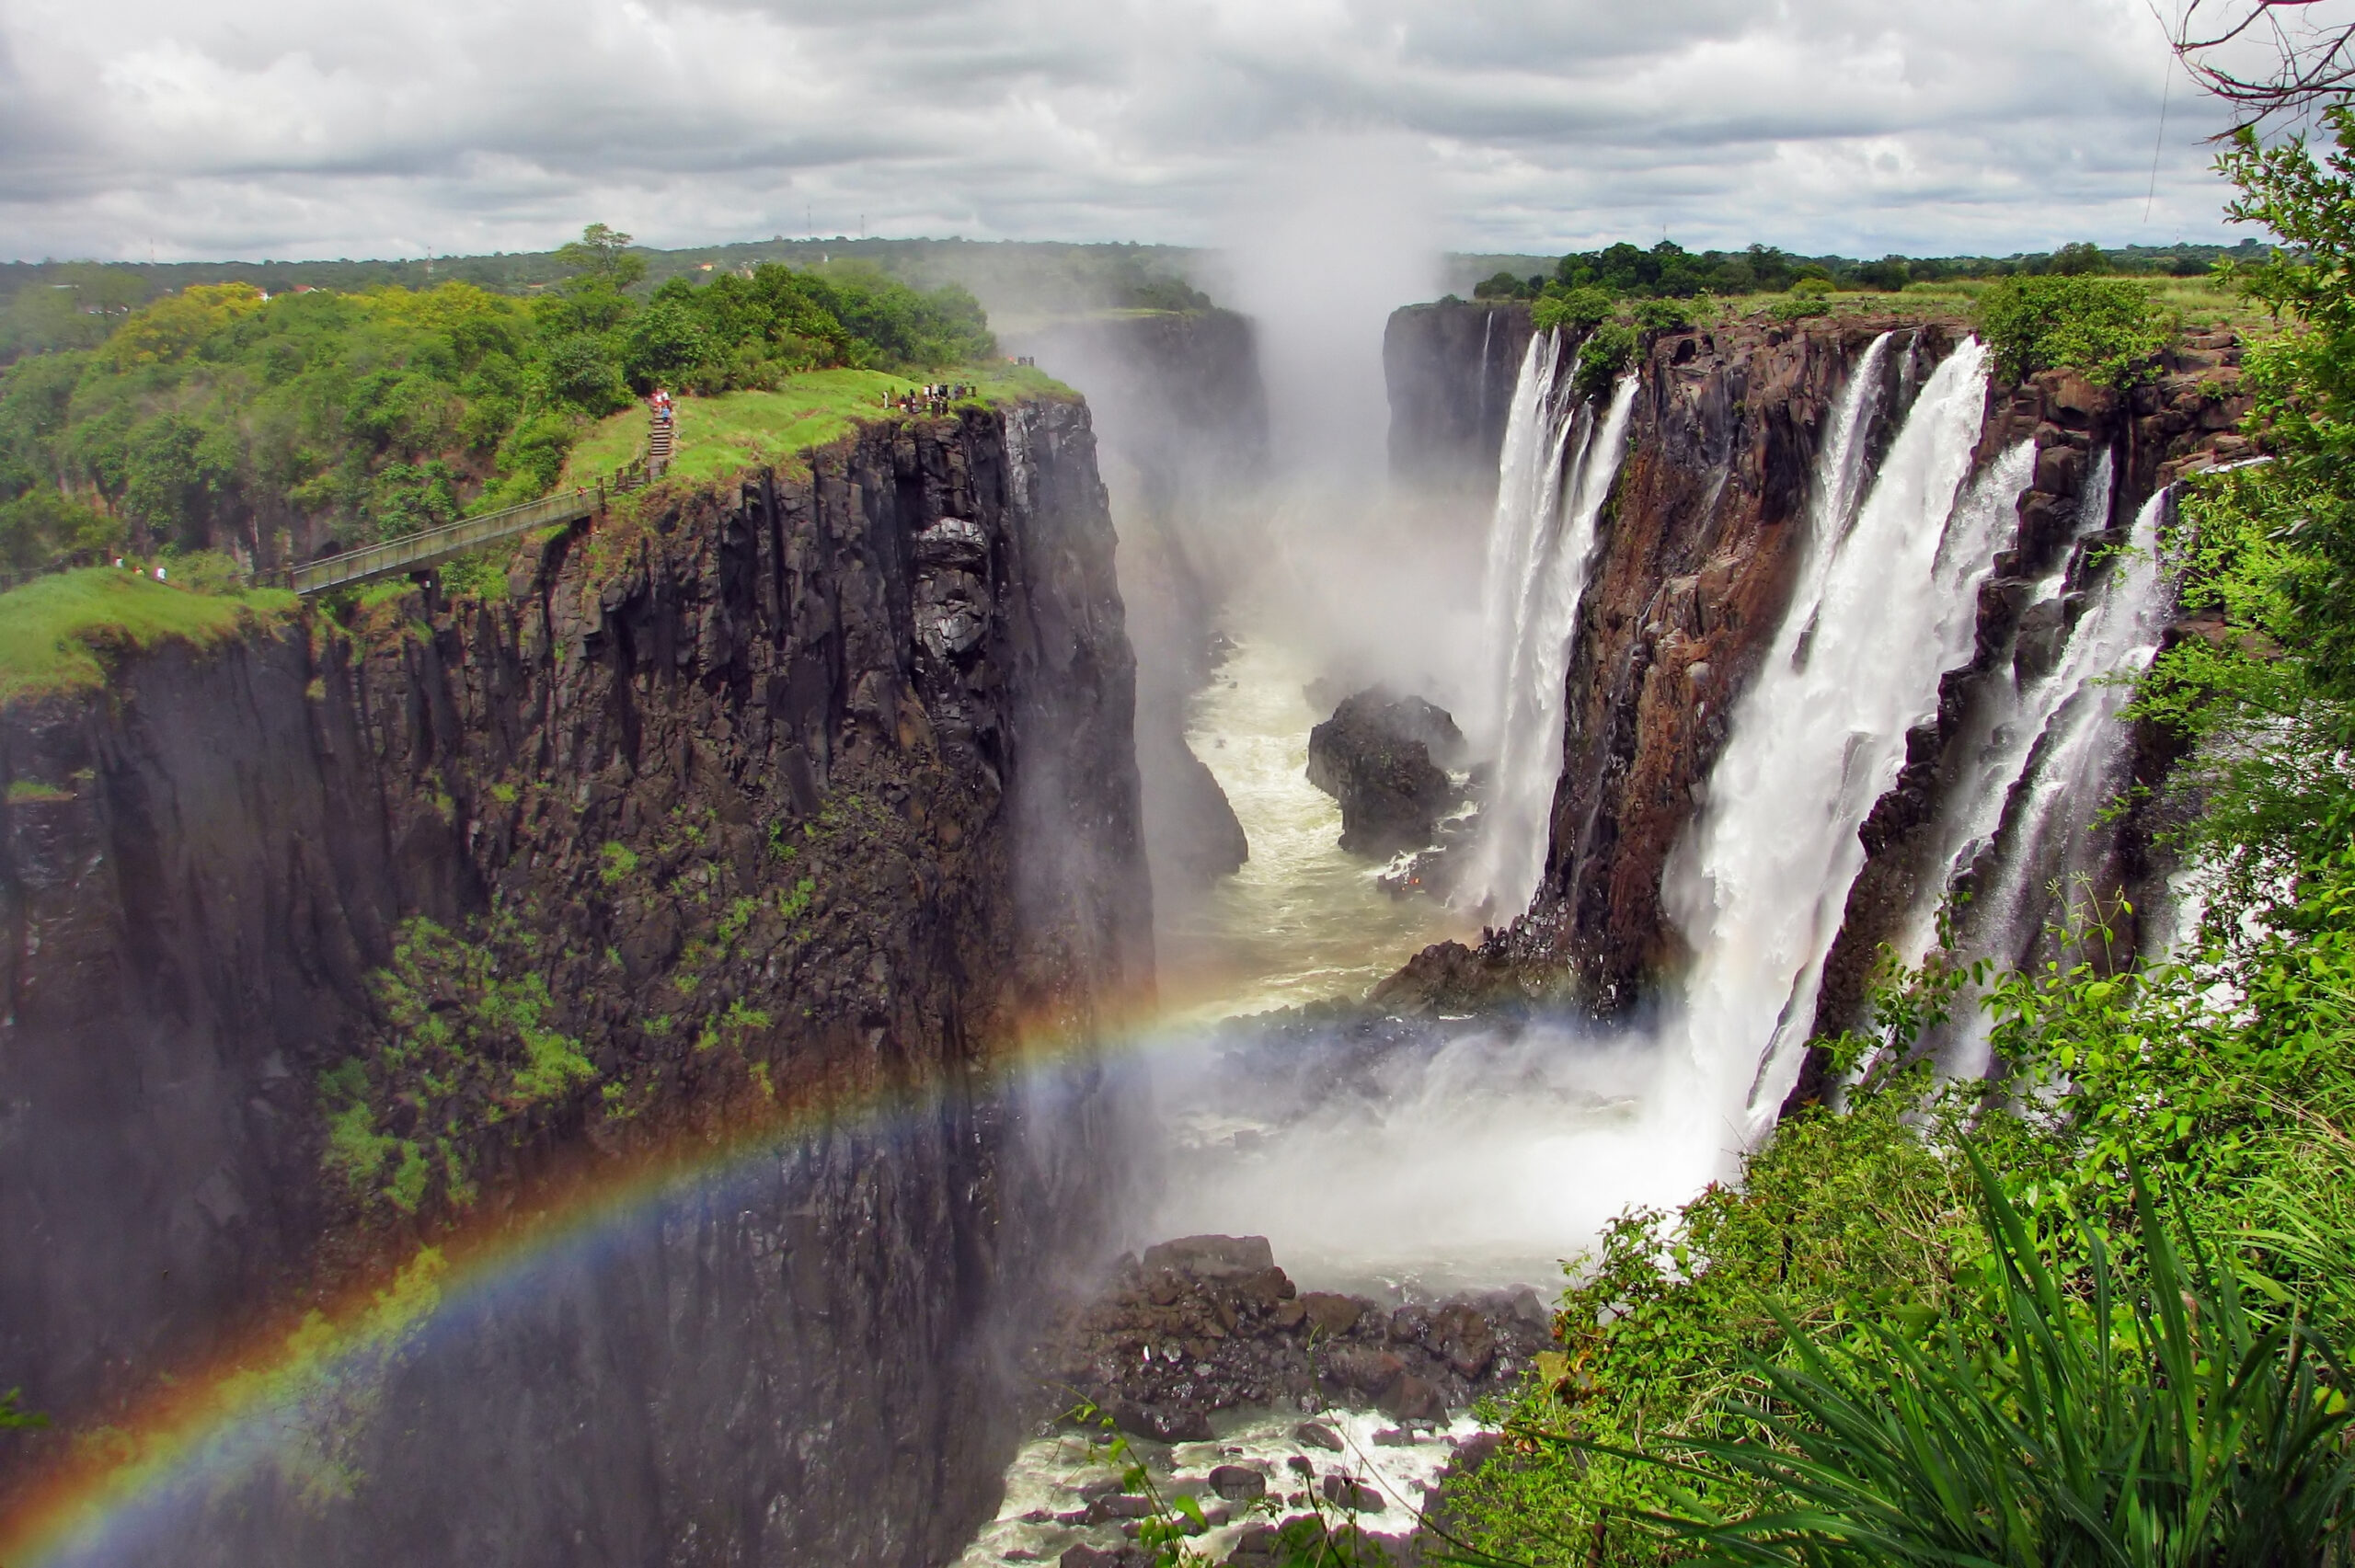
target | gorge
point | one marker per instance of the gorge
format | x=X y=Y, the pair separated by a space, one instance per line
x=735 y=949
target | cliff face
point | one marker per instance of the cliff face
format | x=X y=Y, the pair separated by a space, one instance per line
x=1451 y=370
x=1182 y=413
x=824 y=787
x=1695 y=560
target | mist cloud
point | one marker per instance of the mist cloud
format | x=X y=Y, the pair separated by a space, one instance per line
x=275 y=128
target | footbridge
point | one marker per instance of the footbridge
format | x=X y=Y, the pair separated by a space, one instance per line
x=421 y=551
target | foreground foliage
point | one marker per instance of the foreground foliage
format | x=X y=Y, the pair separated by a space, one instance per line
x=2041 y=1426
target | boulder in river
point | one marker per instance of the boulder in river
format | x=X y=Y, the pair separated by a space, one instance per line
x=1385 y=758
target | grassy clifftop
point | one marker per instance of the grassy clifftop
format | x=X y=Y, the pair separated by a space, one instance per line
x=718 y=436
x=55 y=630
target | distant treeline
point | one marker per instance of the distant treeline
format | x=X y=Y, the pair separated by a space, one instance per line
x=71 y=304
x=1667 y=270
x=215 y=415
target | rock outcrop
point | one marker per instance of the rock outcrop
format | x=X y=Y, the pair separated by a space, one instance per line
x=1385 y=758
x=1211 y=1323
x=811 y=793
x=1182 y=415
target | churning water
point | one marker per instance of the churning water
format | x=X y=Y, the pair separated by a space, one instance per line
x=1301 y=922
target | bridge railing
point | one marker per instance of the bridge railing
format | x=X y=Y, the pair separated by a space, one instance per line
x=431 y=546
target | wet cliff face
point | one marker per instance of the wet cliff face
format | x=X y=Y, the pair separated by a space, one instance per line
x=1451 y=370
x=1695 y=560
x=822 y=787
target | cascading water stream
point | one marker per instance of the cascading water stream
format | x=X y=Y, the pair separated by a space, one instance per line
x=1998 y=745
x=1556 y=472
x=1884 y=604
x=2070 y=768
x=1487 y=332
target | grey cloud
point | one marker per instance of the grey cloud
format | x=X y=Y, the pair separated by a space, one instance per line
x=294 y=128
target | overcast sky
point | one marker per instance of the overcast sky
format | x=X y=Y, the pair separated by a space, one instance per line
x=194 y=129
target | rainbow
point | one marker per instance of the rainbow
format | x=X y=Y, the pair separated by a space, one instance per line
x=269 y=1400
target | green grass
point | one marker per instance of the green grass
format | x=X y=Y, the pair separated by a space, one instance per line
x=52 y=629
x=2199 y=303
x=717 y=436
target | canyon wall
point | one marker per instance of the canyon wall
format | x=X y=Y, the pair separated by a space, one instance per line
x=814 y=789
x=1451 y=368
x=1182 y=415
x=1694 y=565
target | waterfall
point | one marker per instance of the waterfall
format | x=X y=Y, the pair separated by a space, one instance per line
x=2069 y=767
x=1884 y=603
x=1488 y=331
x=1995 y=747
x=1555 y=471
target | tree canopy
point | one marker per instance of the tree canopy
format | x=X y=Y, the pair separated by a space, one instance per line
x=219 y=413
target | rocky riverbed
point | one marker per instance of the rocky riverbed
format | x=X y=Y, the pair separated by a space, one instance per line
x=1209 y=1323
x=1263 y=1403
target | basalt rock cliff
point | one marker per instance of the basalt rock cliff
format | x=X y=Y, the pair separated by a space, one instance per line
x=329 y=942
x=1696 y=553
x=1450 y=369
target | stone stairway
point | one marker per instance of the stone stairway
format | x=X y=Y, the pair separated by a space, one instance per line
x=658 y=447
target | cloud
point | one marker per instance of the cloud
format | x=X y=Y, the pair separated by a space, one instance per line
x=289 y=128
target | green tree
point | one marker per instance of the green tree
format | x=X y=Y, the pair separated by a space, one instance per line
x=2108 y=327
x=2081 y=259
x=601 y=257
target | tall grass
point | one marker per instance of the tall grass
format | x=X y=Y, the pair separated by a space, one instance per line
x=2138 y=1419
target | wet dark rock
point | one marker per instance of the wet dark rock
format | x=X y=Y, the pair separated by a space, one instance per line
x=1464 y=1337
x=1163 y=1348
x=1215 y=1258
x=2043 y=632
x=1347 y=1492
x=1385 y=758
x=1331 y=1315
x=1163 y=1426
x=1410 y=1398
x=1093 y=1557
x=1237 y=1483
x=1365 y=1371
x=1120 y=1505
x=1195 y=832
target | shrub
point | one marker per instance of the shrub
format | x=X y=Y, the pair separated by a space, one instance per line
x=1604 y=355
x=2107 y=327
x=1662 y=315
x=1811 y=286
x=2130 y=1425
x=1574 y=310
